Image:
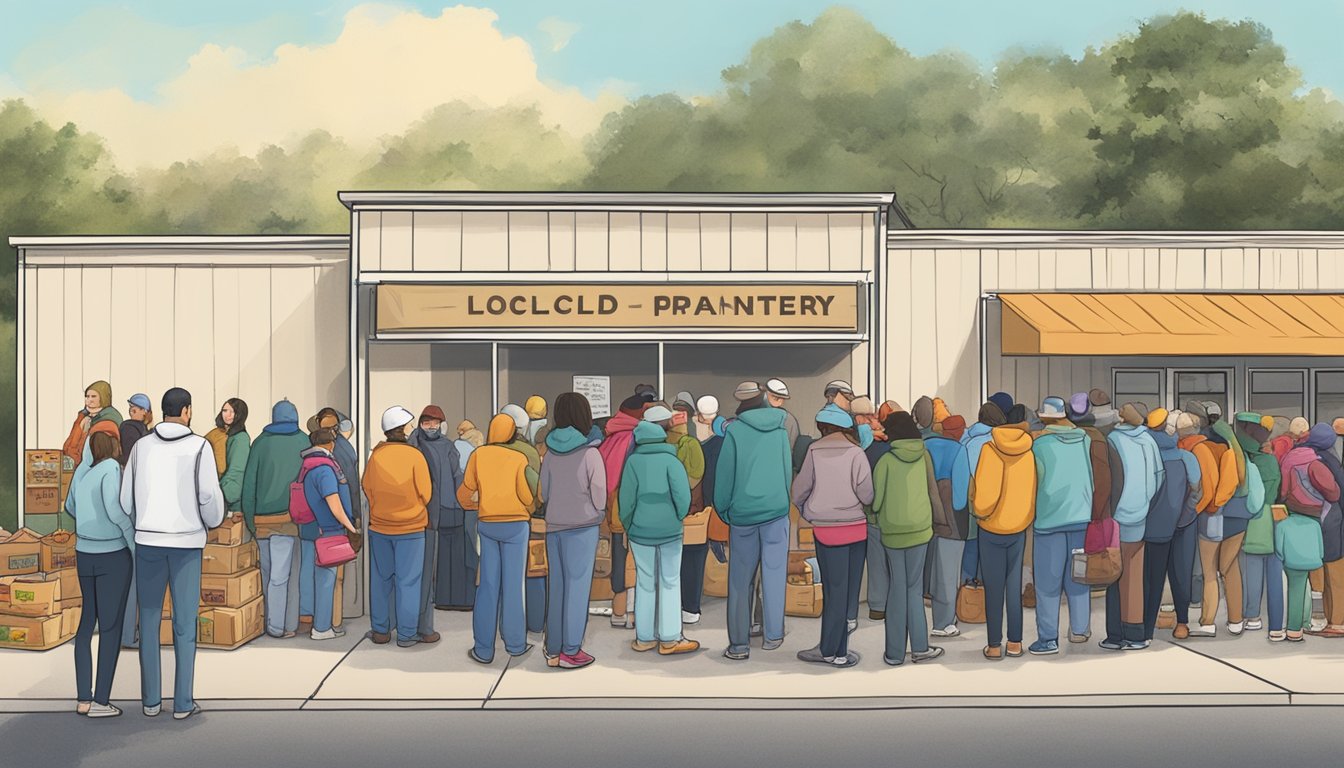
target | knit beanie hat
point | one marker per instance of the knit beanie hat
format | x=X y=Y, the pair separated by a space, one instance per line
x=1130 y=415
x=923 y=412
x=535 y=407
x=887 y=408
x=832 y=414
x=519 y=416
x=991 y=415
x=1098 y=398
x=1003 y=400
x=1157 y=418
x=1298 y=428
x=1187 y=425
x=862 y=406
x=940 y=410
x=104 y=391
x=954 y=427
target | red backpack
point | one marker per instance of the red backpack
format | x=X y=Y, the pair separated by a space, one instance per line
x=299 y=511
x=1298 y=493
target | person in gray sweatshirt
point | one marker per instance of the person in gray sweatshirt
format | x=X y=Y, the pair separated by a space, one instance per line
x=831 y=490
x=573 y=485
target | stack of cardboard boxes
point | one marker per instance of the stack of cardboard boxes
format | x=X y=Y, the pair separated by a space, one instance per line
x=43 y=472
x=802 y=592
x=39 y=590
x=231 y=606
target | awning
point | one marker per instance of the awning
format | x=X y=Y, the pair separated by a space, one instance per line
x=1238 y=324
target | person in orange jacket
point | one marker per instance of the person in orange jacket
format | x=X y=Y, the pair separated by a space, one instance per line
x=1004 y=503
x=97 y=415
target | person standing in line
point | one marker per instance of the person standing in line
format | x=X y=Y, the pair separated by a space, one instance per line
x=1064 y=486
x=655 y=498
x=907 y=504
x=497 y=485
x=232 y=419
x=1261 y=569
x=171 y=490
x=831 y=490
x=692 y=458
x=839 y=394
x=140 y=417
x=537 y=425
x=615 y=449
x=875 y=556
x=1310 y=491
x=574 y=488
x=708 y=422
x=693 y=580
x=398 y=486
x=523 y=424
x=777 y=395
x=1321 y=441
x=272 y=464
x=963 y=478
x=97 y=415
x=1136 y=474
x=105 y=543
x=1004 y=503
x=942 y=569
x=443 y=512
x=751 y=494
x=1218 y=480
x=326 y=490
x=1169 y=532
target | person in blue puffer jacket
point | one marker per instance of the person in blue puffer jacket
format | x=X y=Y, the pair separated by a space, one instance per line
x=1170 y=534
x=1136 y=474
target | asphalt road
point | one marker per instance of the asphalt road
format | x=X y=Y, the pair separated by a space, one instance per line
x=1222 y=737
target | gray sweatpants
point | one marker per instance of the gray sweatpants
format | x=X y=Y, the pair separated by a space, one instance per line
x=944 y=575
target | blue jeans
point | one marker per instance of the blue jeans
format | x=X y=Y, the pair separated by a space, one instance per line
x=307 y=574
x=324 y=597
x=104 y=581
x=906 y=622
x=1001 y=566
x=1052 y=566
x=160 y=569
x=569 y=557
x=499 y=596
x=132 y=618
x=1262 y=576
x=970 y=561
x=764 y=546
x=879 y=581
x=396 y=564
x=657 y=591
x=276 y=554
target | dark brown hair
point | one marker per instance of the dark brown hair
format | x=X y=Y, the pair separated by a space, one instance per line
x=830 y=429
x=751 y=404
x=239 y=416
x=323 y=436
x=104 y=446
x=326 y=413
x=573 y=410
x=901 y=426
x=397 y=435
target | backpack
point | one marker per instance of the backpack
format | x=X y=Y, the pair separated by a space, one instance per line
x=1298 y=493
x=299 y=511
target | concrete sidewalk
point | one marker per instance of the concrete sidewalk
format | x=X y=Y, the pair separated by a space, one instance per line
x=353 y=673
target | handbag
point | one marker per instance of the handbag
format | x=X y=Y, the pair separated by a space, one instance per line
x=1097 y=564
x=971 y=602
x=334 y=550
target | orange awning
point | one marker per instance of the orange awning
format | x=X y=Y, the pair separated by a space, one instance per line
x=1238 y=324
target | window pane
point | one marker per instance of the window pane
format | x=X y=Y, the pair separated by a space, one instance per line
x=1281 y=394
x=1202 y=385
x=1138 y=387
x=1329 y=395
x=1277 y=381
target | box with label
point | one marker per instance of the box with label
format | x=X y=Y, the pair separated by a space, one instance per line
x=42 y=501
x=41 y=469
x=31 y=633
x=230 y=627
x=232 y=591
x=536 y=558
x=58 y=551
x=604 y=548
x=20 y=554
x=36 y=595
x=229 y=534
x=218 y=558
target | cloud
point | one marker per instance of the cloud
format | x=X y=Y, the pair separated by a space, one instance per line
x=560 y=32
x=385 y=70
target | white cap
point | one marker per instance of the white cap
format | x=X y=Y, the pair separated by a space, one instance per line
x=777 y=388
x=707 y=405
x=657 y=413
x=840 y=386
x=519 y=416
x=395 y=417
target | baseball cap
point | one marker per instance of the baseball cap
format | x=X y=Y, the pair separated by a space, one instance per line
x=657 y=413
x=1249 y=417
x=433 y=412
x=141 y=401
x=777 y=388
x=1098 y=397
x=747 y=390
x=834 y=415
x=1053 y=408
x=395 y=417
x=708 y=405
x=840 y=386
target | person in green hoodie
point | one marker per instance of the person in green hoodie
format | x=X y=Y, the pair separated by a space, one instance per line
x=272 y=464
x=655 y=495
x=906 y=501
x=751 y=494
x=1261 y=569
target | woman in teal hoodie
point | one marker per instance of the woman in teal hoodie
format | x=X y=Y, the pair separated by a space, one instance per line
x=655 y=496
x=105 y=539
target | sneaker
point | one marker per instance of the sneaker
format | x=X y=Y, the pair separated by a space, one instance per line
x=195 y=710
x=851 y=625
x=642 y=647
x=757 y=630
x=1236 y=628
x=1112 y=645
x=1014 y=649
x=1044 y=648
x=599 y=610
x=1318 y=624
x=1181 y=632
x=1329 y=631
x=890 y=662
x=932 y=653
x=471 y=654
x=428 y=637
x=877 y=615
x=103 y=710
x=410 y=643
x=736 y=655
x=813 y=656
x=1277 y=636
x=1298 y=638
x=619 y=622
x=152 y=711
x=770 y=645
x=577 y=661
x=1079 y=639
x=951 y=630
x=82 y=707
x=379 y=638
x=1204 y=630
x=330 y=634
x=679 y=647
x=1254 y=625
x=551 y=661
x=690 y=618
x=1135 y=645
x=848 y=660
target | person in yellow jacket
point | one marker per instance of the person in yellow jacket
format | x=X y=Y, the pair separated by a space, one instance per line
x=497 y=485
x=1004 y=503
x=398 y=487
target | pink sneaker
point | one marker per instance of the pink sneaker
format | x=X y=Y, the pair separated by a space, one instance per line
x=577 y=661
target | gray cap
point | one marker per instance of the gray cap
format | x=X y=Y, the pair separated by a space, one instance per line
x=657 y=413
x=685 y=397
x=840 y=386
x=747 y=390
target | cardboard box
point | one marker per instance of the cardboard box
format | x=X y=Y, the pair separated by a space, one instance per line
x=536 y=558
x=807 y=539
x=70 y=620
x=601 y=589
x=58 y=551
x=165 y=631
x=31 y=633
x=228 y=534
x=537 y=525
x=69 y=583
x=41 y=469
x=233 y=591
x=802 y=600
x=20 y=554
x=604 y=548
x=716 y=577
x=230 y=626
x=42 y=501
x=602 y=567
x=35 y=595
x=220 y=559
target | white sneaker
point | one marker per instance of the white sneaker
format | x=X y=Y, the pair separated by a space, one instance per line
x=103 y=710
x=1317 y=595
x=195 y=710
x=950 y=630
x=153 y=711
x=1168 y=607
x=1318 y=624
x=690 y=618
x=851 y=625
x=1254 y=625
x=1235 y=628
x=1204 y=630
x=330 y=634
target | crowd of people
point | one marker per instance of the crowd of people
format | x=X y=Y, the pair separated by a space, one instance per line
x=1042 y=504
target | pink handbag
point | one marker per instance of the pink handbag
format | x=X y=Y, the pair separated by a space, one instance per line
x=334 y=550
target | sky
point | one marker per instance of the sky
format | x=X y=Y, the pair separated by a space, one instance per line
x=247 y=72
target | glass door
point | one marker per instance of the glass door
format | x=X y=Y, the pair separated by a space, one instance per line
x=1201 y=384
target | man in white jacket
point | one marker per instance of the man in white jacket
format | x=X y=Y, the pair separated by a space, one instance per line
x=171 y=490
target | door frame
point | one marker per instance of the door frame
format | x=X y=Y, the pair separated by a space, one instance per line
x=1233 y=404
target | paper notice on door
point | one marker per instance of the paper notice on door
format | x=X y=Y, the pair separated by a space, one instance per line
x=598 y=391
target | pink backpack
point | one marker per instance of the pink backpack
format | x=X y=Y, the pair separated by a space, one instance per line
x=299 y=511
x=1298 y=492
